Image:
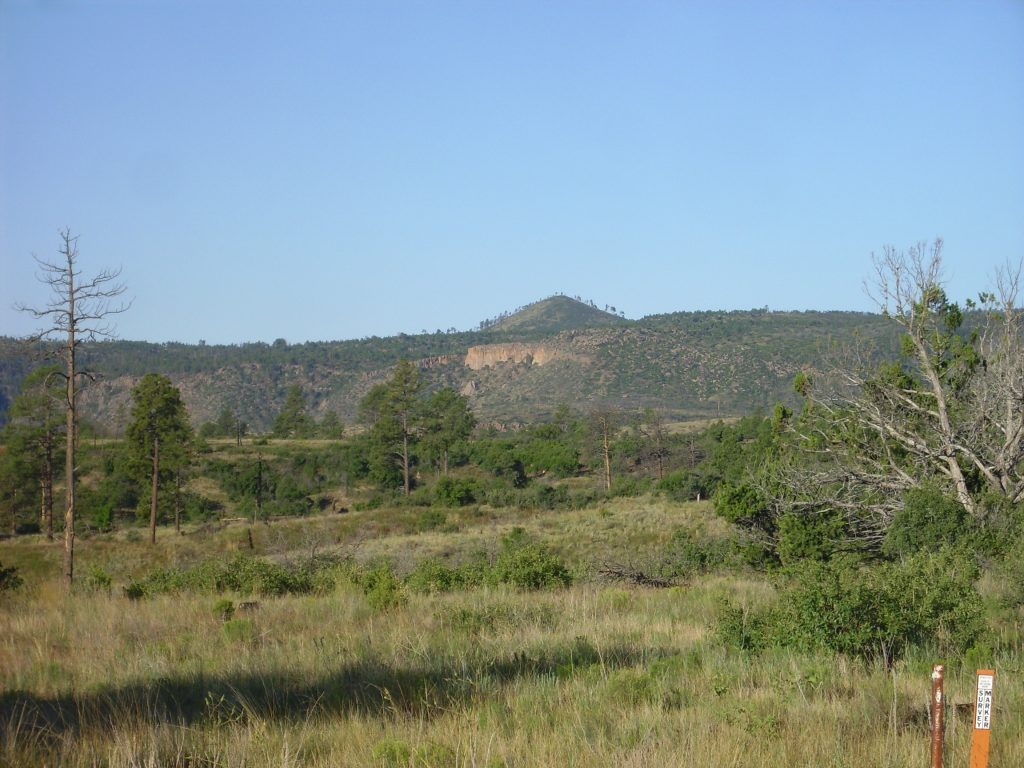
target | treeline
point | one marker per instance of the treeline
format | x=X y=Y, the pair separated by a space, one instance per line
x=412 y=447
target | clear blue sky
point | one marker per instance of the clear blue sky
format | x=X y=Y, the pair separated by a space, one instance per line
x=326 y=170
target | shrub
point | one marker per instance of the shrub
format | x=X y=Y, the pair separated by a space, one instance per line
x=239 y=630
x=224 y=609
x=928 y=520
x=431 y=519
x=547 y=496
x=688 y=554
x=742 y=505
x=455 y=492
x=683 y=485
x=102 y=518
x=242 y=574
x=382 y=588
x=9 y=579
x=528 y=565
x=431 y=575
x=97 y=580
x=374 y=502
x=743 y=628
x=811 y=536
x=629 y=487
x=927 y=600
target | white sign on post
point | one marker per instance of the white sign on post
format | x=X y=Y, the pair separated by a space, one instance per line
x=983 y=712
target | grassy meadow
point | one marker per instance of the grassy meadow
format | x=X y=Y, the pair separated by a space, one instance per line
x=594 y=674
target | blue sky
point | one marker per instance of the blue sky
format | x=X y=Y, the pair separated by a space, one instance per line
x=328 y=170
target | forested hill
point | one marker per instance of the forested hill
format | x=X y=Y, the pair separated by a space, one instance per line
x=516 y=368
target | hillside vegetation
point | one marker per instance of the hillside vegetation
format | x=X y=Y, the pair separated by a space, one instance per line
x=689 y=364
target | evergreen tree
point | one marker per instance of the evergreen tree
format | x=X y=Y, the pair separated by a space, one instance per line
x=293 y=420
x=159 y=436
x=393 y=413
x=31 y=436
x=331 y=426
x=447 y=420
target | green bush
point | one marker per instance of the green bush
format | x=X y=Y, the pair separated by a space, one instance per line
x=383 y=589
x=683 y=485
x=928 y=520
x=242 y=574
x=811 y=536
x=456 y=492
x=687 y=554
x=239 y=630
x=528 y=565
x=742 y=505
x=97 y=580
x=431 y=519
x=927 y=600
x=541 y=456
x=629 y=487
x=224 y=609
x=743 y=628
x=102 y=518
x=9 y=579
x=431 y=575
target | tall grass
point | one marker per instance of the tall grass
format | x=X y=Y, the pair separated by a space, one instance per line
x=592 y=675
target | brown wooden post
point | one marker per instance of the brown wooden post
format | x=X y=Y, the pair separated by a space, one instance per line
x=982 y=718
x=938 y=711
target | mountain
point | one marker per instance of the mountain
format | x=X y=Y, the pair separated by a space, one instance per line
x=554 y=315
x=518 y=368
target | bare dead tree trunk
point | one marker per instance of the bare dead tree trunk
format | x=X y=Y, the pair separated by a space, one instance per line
x=78 y=310
x=602 y=426
x=153 y=489
x=72 y=424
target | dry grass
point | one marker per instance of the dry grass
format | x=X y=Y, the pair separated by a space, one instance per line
x=588 y=676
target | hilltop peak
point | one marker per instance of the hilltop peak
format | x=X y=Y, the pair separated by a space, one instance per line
x=555 y=314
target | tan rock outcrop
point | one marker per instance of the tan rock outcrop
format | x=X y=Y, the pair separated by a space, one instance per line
x=486 y=355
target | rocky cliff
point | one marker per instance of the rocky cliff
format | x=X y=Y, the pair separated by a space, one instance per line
x=487 y=355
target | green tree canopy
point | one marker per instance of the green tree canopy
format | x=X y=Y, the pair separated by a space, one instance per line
x=31 y=436
x=293 y=420
x=159 y=436
x=447 y=421
x=392 y=411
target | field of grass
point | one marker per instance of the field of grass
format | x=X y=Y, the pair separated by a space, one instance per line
x=596 y=674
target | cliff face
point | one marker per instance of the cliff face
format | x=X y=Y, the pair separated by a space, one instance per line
x=486 y=355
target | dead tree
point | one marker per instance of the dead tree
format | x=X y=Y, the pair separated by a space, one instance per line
x=950 y=408
x=78 y=311
x=603 y=424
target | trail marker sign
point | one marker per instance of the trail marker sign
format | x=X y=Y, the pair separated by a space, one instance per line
x=982 y=718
